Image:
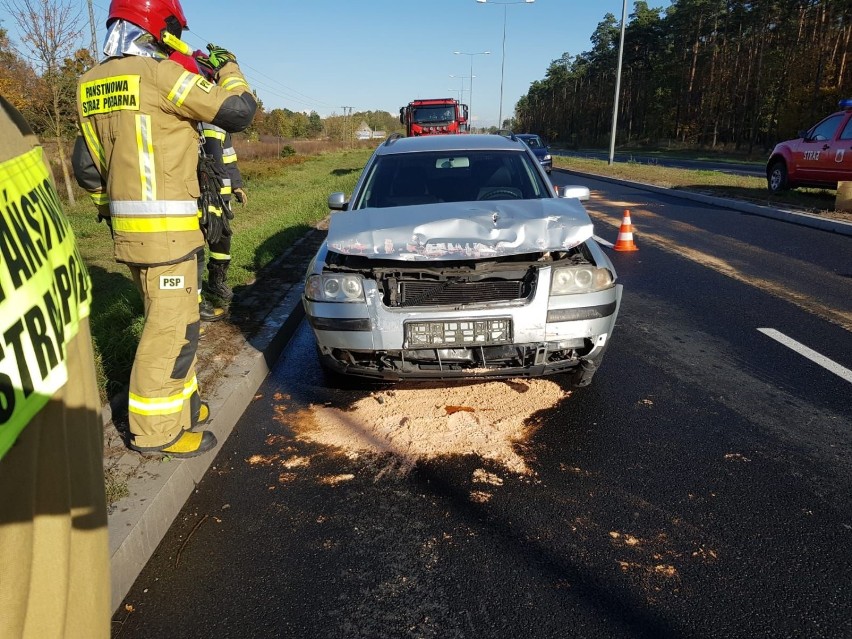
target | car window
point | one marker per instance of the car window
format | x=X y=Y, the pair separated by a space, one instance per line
x=847 y=131
x=825 y=129
x=534 y=142
x=463 y=176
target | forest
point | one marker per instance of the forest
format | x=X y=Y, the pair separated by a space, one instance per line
x=728 y=75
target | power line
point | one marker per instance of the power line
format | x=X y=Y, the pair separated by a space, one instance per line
x=302 y=98
x=280 y=84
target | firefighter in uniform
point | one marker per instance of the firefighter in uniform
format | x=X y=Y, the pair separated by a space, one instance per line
x=138 y=157
x=54 y=560
x=218 y=144
x=213 y=208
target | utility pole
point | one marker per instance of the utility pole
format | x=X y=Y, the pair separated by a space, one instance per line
x=617 y=86
x=345 y=122
x=94 y=33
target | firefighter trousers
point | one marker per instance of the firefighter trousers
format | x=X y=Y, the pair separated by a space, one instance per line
x=163 y=388
x=220 y=252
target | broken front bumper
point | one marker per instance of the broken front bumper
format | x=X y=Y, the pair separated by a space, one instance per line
x=541 y=336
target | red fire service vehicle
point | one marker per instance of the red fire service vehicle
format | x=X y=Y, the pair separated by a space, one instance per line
x=820 y=157
x=435 y=116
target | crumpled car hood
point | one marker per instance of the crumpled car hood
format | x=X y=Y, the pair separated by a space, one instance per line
x=430 y=232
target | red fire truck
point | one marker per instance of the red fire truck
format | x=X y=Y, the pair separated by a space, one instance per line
x=435 y=116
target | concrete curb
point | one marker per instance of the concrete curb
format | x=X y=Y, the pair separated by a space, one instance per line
x=140 y=521
x=794 y=217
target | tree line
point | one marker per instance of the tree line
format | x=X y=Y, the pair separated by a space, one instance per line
x=719 y=74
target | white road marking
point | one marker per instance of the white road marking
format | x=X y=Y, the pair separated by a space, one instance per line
x=812 y=355
x=602 y=241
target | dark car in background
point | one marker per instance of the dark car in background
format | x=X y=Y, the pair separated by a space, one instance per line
x=539 y=149
x=456 y=258
x=820 y=157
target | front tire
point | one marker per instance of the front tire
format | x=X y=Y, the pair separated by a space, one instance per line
x=776 y=177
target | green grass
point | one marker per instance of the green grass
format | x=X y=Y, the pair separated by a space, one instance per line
x=692 y=154
x=753 y=189
x=285 y=198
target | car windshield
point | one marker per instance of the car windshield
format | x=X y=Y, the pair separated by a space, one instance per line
x=438 y=113
x=459 y=176
x=533 y=142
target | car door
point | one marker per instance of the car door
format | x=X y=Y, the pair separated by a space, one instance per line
x=843 y=151
x=814 y=156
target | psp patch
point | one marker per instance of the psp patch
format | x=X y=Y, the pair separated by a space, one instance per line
x=171 y=282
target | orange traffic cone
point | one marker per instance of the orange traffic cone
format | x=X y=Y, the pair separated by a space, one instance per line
x=625 y=235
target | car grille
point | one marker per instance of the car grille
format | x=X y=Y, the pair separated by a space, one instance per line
x=454 y=293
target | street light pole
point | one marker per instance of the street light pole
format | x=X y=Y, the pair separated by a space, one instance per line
x=463 y=78
x=617 y=86
x=503 y=63
x=470 y=101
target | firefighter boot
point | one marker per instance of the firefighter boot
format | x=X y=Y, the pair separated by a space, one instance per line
x=210 y=313
x=217 y=280
x=187 y=444
x=201 y=417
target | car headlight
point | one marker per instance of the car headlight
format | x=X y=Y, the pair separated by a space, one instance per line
x=547 y=157
x=334 y=287
x=579 y=279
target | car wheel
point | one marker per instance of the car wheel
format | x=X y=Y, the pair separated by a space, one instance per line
x=776 y=177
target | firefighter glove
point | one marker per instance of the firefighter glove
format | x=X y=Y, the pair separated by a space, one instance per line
x=217 y=225
x=219 y=56
x=205 y=67
x=241 y=196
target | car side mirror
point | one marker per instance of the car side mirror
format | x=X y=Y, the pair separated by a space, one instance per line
x=337 y=201
x=581 y=193
x=803 y=134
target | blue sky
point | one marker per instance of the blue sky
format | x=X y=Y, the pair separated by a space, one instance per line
x=380 y=54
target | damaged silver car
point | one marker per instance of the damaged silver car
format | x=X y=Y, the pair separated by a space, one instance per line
x=456 y=258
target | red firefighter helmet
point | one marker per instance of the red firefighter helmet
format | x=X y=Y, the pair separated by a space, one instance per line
x=155 y=16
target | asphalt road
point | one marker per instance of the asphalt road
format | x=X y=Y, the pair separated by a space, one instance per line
x=733 y=168
x=699 y=488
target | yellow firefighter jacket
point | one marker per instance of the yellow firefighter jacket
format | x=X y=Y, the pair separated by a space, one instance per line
x=138 y=119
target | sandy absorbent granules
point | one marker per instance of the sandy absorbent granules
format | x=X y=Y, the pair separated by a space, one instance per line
x=485 y=419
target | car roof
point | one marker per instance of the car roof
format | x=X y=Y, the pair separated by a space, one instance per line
x=525 y=136
x=449 y=142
